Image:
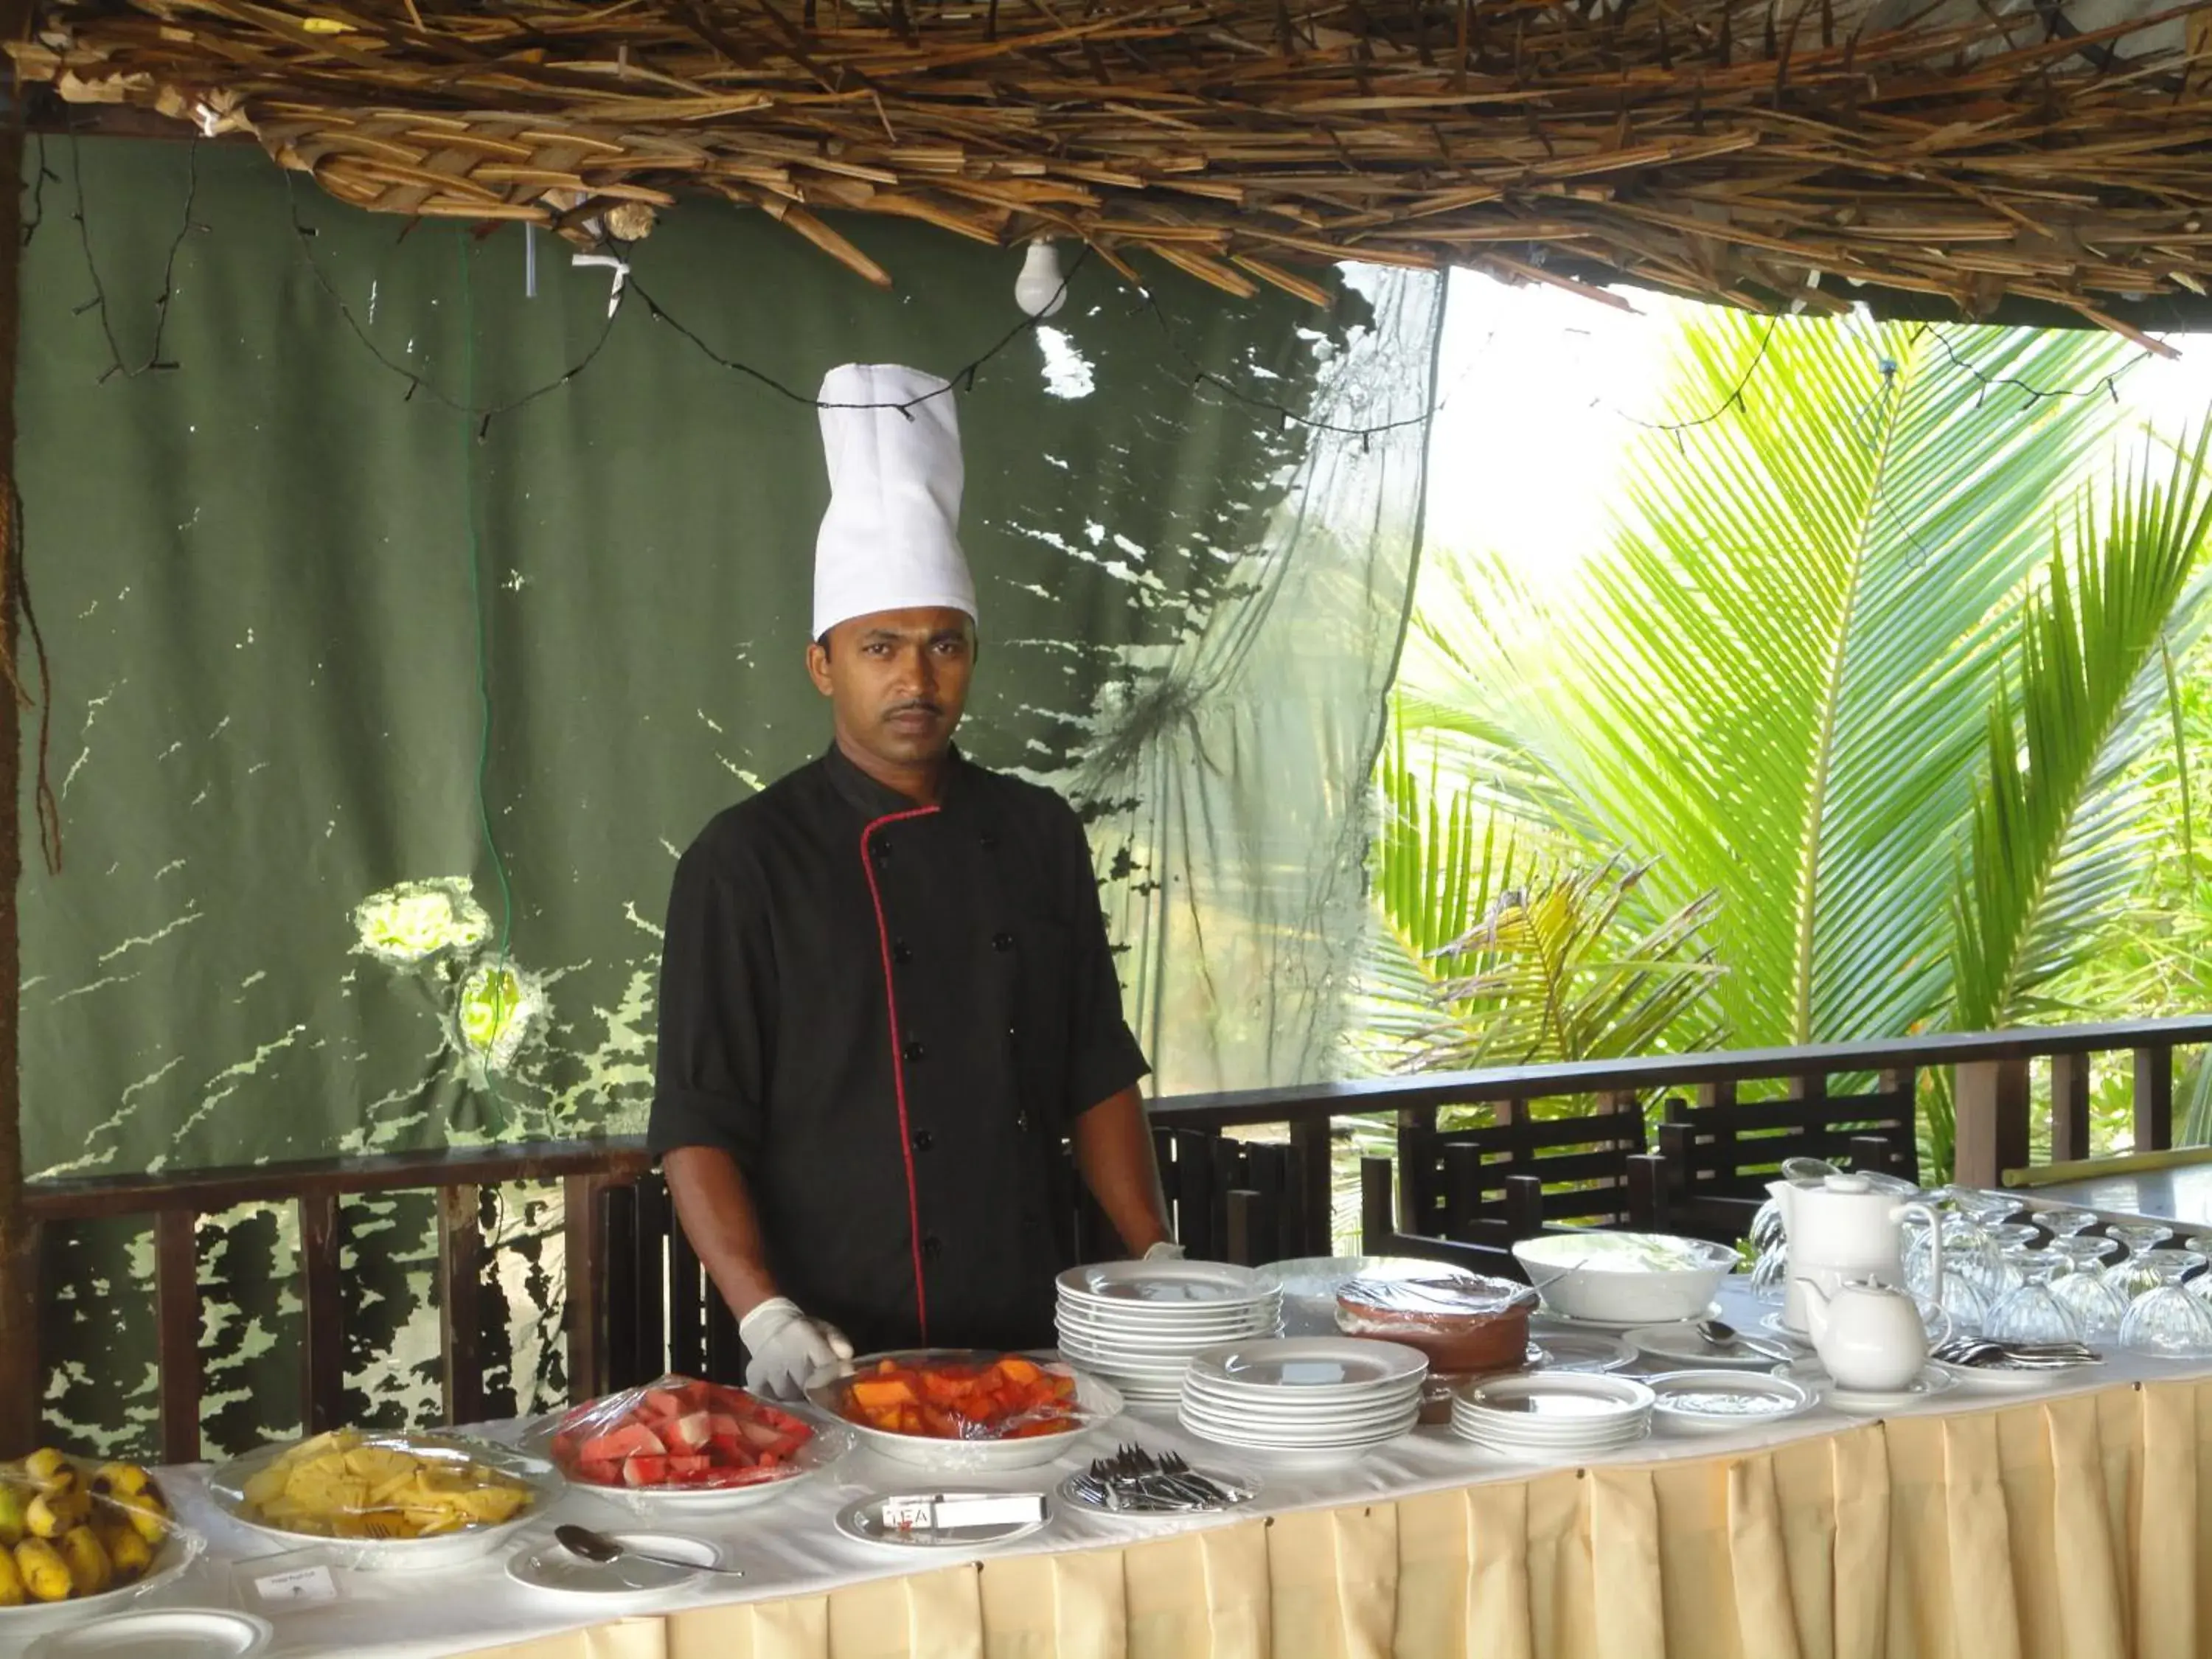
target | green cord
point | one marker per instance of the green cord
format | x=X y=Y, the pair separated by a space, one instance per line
x=483 y=660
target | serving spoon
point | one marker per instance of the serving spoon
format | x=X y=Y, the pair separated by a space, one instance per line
x=597 y=1546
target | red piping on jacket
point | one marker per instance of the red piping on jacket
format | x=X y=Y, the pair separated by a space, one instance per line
x=898 y=1059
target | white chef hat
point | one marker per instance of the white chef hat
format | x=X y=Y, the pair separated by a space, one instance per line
x=890 y=540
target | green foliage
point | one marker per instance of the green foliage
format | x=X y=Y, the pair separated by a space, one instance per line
x=1483 y=956
x=1865 y=684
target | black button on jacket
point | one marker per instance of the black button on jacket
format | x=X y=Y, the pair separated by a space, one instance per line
x=891 y=1017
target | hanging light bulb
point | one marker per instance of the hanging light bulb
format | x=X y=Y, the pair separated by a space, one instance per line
x=1041 y=289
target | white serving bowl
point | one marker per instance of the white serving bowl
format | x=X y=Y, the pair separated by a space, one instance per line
x=179 y=1548
x=1097 y=1402
x=1636 y=1279
x=450 y=1549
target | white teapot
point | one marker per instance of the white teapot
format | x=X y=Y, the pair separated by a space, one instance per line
x=1869 y=1335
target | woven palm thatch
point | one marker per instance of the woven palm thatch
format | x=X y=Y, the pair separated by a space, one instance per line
x=1768 y=152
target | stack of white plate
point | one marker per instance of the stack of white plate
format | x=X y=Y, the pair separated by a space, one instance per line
x=1554 y=1416
x=1318 y=1394
x=1137 y=1323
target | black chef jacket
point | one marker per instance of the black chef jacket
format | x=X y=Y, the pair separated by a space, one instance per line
x=891 y=1016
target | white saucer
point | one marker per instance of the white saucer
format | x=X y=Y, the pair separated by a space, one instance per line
x=1868 y=1402
x=547 y=1567
x=1773 y=1324
x=1566 y=1322
x=1996 y=1379
x=168 y=1634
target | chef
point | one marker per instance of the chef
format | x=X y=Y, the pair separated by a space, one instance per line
x=886 y=997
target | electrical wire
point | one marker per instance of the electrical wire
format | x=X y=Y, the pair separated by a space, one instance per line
x=155 y=363
x=475 y=540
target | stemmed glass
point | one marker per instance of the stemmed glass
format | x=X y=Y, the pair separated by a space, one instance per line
x=2166 y=1321
x=1984 y=1207
x=2138 y=1275
x=2031 y=1312
x=2064 y=1221
x=2083 y=1288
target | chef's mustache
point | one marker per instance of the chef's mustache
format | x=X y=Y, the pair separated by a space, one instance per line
x=913 y=706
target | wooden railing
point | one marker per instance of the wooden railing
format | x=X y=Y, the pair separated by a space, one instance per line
x=636 y=1296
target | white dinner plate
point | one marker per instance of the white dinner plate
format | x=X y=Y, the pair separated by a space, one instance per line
x=167 y=1633
x=1547 y=1450
x=1205 y=1335
x=2022 y=1379
x=863 y=1522
x=1256 y=1436
x=1163 y=1283
x=1246 y=1434
x=1678 y=1345
x=1491 y=1432
x=1231 y=1413
x=1546 y=1404
x=1552 y=1316
x=1581 y=1351
x=1145 y=1315
x=1310 y=1363
x=1718 y=1401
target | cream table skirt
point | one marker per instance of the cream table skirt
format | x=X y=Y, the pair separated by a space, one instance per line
x=2074 y=1527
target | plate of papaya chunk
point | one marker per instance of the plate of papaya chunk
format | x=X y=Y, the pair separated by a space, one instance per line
x=963 y=1409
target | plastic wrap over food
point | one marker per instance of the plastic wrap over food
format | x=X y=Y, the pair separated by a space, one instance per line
x=72 y=1532
x=1465 y=1322
x=381 y=1487
x=677 y=1434
x=955 y=1394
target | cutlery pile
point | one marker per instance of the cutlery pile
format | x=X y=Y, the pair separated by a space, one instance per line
x=2017 y=1356
x=1134 y=1482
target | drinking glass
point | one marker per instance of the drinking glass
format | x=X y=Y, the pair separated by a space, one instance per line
x=1969 y=1253
x=2031 y=1312
x=2083 y=1289
x=1766 y=1224
x=2137 y=1276
x=2014 y=1236
x=2064 y=1221
x=1769 y=1274
x=2166 y=1323
x=1986 y=1207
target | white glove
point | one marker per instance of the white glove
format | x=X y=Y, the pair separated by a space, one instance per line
x=1166 y=1250
x=784 y=1347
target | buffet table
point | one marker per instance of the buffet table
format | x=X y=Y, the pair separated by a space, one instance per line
x=2071 y=1523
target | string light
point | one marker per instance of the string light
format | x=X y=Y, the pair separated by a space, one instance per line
x=1041 y=289
x=2033 y=394
x=1735 y=400
x=40 y=175
x=155 y=363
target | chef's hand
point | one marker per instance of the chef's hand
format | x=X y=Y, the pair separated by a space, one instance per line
x=784 y=1347
x=1166 y=1250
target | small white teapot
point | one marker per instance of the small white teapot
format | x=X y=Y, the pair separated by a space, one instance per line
x=1869 y=1335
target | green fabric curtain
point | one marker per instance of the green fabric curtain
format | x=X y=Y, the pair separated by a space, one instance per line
x=279 y=582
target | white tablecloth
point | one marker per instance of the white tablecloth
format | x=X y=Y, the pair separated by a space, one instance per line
x=789 y=1547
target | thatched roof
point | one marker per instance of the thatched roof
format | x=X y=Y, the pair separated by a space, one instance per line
x=1761 y=153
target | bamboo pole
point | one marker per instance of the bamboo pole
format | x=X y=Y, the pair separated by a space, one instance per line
x=19 y=1309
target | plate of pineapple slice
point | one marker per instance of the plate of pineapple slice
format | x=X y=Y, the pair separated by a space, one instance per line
x=380 y=1499
x=79 y=1538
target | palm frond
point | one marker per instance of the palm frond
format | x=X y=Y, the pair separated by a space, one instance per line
x=1473 y=958
x=2056 y=839
x=1775 y=682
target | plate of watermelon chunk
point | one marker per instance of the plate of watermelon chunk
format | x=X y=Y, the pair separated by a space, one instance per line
x=683 y=1444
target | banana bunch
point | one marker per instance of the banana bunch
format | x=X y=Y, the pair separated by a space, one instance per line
x=64 y=1535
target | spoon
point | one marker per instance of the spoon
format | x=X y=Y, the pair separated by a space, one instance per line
x=1725 y=1336
x=597 y=1546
